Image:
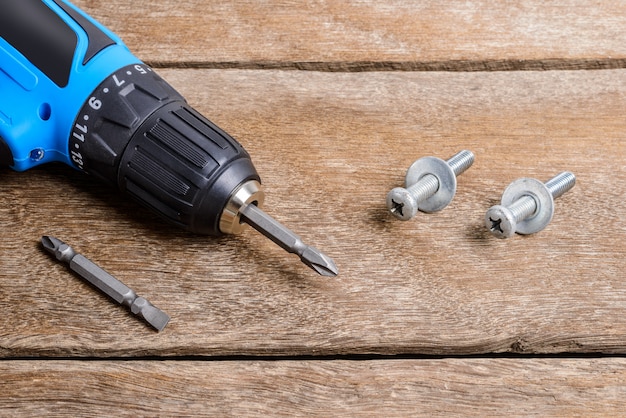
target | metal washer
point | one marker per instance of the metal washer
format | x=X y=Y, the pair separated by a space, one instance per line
x=445 y=175
x=543 y=197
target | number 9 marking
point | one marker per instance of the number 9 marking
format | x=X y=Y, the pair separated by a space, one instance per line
x=95 y=103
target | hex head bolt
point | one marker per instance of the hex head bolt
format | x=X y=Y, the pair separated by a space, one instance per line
x=527 y=205
x=430 y=185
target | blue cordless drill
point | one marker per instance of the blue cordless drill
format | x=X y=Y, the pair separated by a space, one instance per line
x=71 y=91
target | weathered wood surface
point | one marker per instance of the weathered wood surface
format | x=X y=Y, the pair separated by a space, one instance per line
x=334 y=35
x=329 y=146
x=451 y=387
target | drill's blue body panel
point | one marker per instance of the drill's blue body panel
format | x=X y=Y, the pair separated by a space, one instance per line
x=37 y=114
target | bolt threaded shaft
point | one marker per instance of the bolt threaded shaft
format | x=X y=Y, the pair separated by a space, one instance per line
x=424 y=188
x=523 y=208
x=526 y=206
x=561 y=183
x=429 y=184
x=461 y=161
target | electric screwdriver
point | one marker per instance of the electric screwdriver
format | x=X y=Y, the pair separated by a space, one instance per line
x=71 y=91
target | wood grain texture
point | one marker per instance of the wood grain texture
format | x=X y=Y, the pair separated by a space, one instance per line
x=359 y=35
x=329 y=146
x=329 y=143
x=452 y=387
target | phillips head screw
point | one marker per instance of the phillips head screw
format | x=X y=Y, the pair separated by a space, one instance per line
x=527 y=205
x=430 y=185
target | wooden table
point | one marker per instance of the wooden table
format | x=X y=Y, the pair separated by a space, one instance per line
x=334 y=100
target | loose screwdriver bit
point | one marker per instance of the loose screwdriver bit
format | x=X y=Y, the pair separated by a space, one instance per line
x=287 y=240
x=106 y=283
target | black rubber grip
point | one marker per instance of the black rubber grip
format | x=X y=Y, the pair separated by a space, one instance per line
x=184 y=167
x=6 y=156
x=138 y=133
x=41 y=36
x=98 y=40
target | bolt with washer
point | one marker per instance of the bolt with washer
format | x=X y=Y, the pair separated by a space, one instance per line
x=527 y=205
x=430 y=185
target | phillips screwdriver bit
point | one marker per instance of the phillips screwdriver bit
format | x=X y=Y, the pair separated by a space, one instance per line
x=287 y=240
x=106 y=283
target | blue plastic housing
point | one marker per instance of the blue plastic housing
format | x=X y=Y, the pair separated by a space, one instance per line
x=37 y=113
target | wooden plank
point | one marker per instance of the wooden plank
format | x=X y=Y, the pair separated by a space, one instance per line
x=327 y=35
x=329 y=147
x=452 y=387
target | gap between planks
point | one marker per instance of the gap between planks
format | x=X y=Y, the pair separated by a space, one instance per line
x=417 y=66
x=349 y=358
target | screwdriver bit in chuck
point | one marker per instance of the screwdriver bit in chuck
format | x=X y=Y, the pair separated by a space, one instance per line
x=287 y=240
x=106 y=283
